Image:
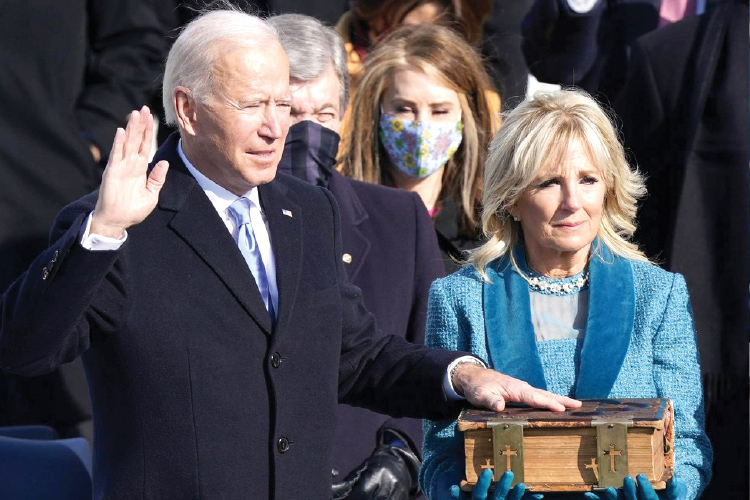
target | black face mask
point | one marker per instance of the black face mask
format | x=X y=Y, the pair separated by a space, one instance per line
x=310 y=152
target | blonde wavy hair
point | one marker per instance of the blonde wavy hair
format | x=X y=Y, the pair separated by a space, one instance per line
x=445 y=57
x=540 y=130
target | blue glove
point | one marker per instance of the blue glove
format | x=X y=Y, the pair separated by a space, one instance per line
x=502 y=489
x=676 y=490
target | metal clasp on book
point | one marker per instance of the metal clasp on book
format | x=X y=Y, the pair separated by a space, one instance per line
x=611 y=450
x=507 y=444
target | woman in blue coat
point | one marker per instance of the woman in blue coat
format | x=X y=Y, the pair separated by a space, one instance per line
x=559 y=296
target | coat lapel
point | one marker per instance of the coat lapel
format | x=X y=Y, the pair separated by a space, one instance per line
x=510 y=333
x=198 y=224
x=507 y=319
x=285 y=225
x=609 y=324
x=353 y=214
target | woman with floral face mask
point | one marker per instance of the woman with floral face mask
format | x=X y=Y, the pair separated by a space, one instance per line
x=421 y=122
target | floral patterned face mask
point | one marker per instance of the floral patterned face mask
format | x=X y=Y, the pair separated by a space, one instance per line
x=419 y=149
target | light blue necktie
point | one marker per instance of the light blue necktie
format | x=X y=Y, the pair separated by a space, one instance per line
x=240 y=210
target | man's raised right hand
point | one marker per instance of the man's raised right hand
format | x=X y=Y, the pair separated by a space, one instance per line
x=128 y=193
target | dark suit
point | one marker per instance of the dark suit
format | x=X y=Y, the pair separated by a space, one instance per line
x=195 y=392
x=685 y=119
x=393 y=259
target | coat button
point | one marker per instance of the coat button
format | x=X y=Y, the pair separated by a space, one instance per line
x=282 y=445
x=45 y=273
x=275 y=359
x=347 y=258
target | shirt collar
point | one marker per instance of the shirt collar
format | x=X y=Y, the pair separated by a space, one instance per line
x=220 y=198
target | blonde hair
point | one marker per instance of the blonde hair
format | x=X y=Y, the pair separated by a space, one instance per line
x=445 y=57
x=536 y=132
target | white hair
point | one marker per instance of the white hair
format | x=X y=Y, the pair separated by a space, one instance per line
x=201 y=44
x=312 y=47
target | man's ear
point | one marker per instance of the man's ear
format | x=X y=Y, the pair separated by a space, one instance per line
x=185 y=109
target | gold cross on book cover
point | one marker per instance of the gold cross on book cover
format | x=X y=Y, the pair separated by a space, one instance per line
x=594 y=446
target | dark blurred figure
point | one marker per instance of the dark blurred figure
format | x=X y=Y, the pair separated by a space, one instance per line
x=71 y=72
x=327 y=11
x=501 y=47
x=585 y=42
x=685 y=119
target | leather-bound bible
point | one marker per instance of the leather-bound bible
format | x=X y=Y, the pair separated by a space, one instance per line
x=584 y=449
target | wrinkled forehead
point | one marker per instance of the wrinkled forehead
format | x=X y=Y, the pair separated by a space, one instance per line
x=326 y=84
x=262 y=68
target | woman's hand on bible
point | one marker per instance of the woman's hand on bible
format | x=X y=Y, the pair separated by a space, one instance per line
x=502 y=489
x=676 y=490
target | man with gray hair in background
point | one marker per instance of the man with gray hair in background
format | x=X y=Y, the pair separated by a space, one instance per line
x=390 y=253
x=208 y=298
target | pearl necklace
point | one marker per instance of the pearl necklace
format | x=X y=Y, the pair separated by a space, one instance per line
x=556 y=286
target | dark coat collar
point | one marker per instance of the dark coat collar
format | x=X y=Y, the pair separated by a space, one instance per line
x=353 y=218
x=510 y=333
x=197 y=223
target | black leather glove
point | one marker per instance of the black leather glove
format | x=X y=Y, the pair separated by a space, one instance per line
x=390 y=473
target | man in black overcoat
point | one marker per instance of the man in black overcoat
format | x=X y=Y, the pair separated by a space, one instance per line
x=201 y=386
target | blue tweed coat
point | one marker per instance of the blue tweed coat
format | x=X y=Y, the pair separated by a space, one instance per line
x=639 y=342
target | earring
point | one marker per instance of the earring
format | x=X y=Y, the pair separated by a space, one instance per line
x=516 y=218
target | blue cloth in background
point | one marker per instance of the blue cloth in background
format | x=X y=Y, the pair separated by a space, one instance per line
x=45 y=469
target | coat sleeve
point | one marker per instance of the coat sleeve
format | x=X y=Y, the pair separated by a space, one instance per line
x=49 y=312
x=442 y=450
x=127 y=45
x=559 y=44
x=677 y=375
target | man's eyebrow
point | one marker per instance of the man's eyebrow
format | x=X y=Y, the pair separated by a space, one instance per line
x=250 y=99
x=324 y=106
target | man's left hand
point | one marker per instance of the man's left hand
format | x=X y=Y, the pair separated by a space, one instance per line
x=390 y=473
x=490 y=389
